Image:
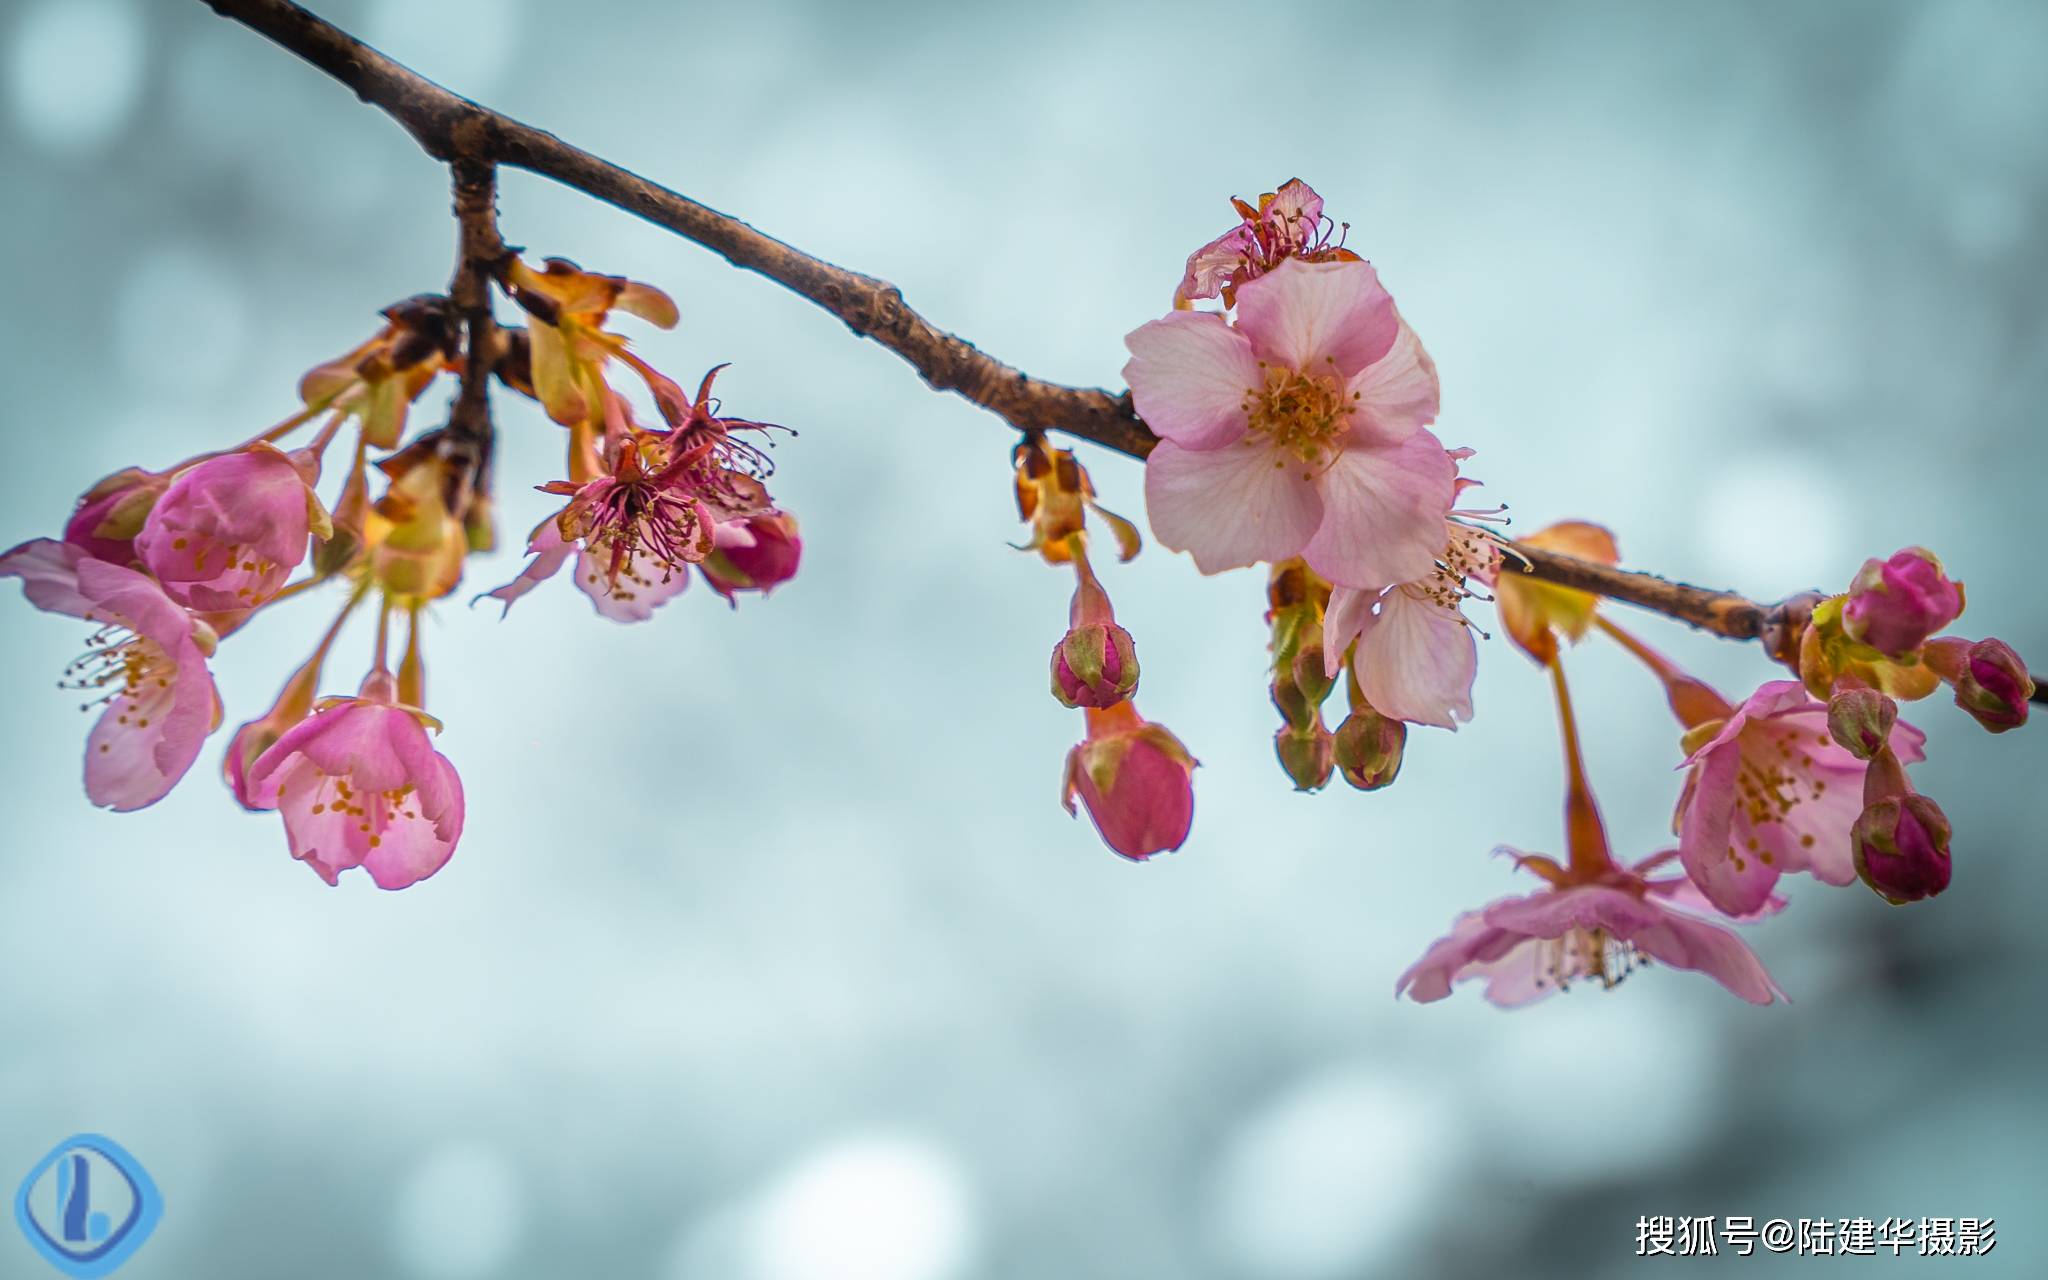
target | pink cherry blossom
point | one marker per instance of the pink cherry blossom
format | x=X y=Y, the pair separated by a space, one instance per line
x=360 y=785
x=228 y=531
x=1416 y=658
x=1299 y=430
x=1528 y=947
x=1135 y=779
x=146 y=664
x=1772 y=792
x=109 y=514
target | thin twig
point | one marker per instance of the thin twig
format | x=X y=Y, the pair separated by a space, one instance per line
x=462 y=132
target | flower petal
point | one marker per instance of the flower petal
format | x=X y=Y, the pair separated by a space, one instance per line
x=1737 y=882
x=1418 y=663
x=1683 y=942
x=1383 y=512
x=1396 y=395
x=1229 y=507
x=1312 y=315
x=1189 y=374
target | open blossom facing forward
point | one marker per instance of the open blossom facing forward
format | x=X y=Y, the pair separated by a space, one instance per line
x=146 y=664
x=1296 y=431
x=359 y=785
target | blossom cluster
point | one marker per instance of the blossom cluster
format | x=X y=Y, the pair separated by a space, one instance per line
x=167 y=565
x=1294 y=432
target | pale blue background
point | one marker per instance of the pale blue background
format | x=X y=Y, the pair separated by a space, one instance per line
x=768 y=954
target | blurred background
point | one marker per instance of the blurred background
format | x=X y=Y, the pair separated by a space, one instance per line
x=768 y=953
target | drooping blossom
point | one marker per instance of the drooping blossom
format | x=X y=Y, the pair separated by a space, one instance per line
x=1895 y=605
x=294 y=703
x=1134 y=777
x=1416 y=656
x=1768 y=791
x=1287 y=223
x=758 y=553
x=146 y=665
x=359 y=784
x=227 y=532
x=1594 y=921
x=1298 y=430
x=1529 y=947
x=637 y=529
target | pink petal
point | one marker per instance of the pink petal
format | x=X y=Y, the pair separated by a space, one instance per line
x=1314 y=315
x=549 y=553
x=1348 y=618
x=48 y=570
x=1383 y=512
x=1553 y=913
x=1397 y=394
x=1210 y=267
x=1683 y=942
x=1418 y=663
x=1229 y=507
x=1736 y=882
x=1189 y=374
x=645 y=583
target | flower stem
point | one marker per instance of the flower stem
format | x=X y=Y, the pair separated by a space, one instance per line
x=1585 y=836
x=1692 y=701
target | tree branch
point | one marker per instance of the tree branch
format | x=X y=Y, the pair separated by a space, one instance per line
x=463 y=133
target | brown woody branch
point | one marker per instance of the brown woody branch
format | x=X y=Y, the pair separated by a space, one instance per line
x=473 y=138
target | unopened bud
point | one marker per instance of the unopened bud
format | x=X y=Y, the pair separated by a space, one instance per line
x=1895 y=605
x=1305 y=755
x=1094 y=666
x=1994 y=686
x=1861 y=720
x=1310 y=676
x=1901 y=848
x=1368 y=748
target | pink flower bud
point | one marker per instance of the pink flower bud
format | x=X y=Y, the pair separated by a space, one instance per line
x=1994 y=686
x=764 y=557
x=1895 y=605
x=1094 y=666
x=1369 y=747
x=1305 y=755
x=1901 y=848
x=1136 y=780
x=1861 y=720
x=110 y=514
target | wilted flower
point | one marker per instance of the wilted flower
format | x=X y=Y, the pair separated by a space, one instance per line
x=1536 y=614
x=1287 y=223
x=569 y=343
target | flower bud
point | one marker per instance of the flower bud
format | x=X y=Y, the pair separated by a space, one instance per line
x=765 y=562
x=1895 y=605
x=1305 y=755
x=1994 y=686
x=1136 y=780
x=1311 y=675
x=1901 y=848
x=1861 y=720
x=1369 y=747
x=1095 y=665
